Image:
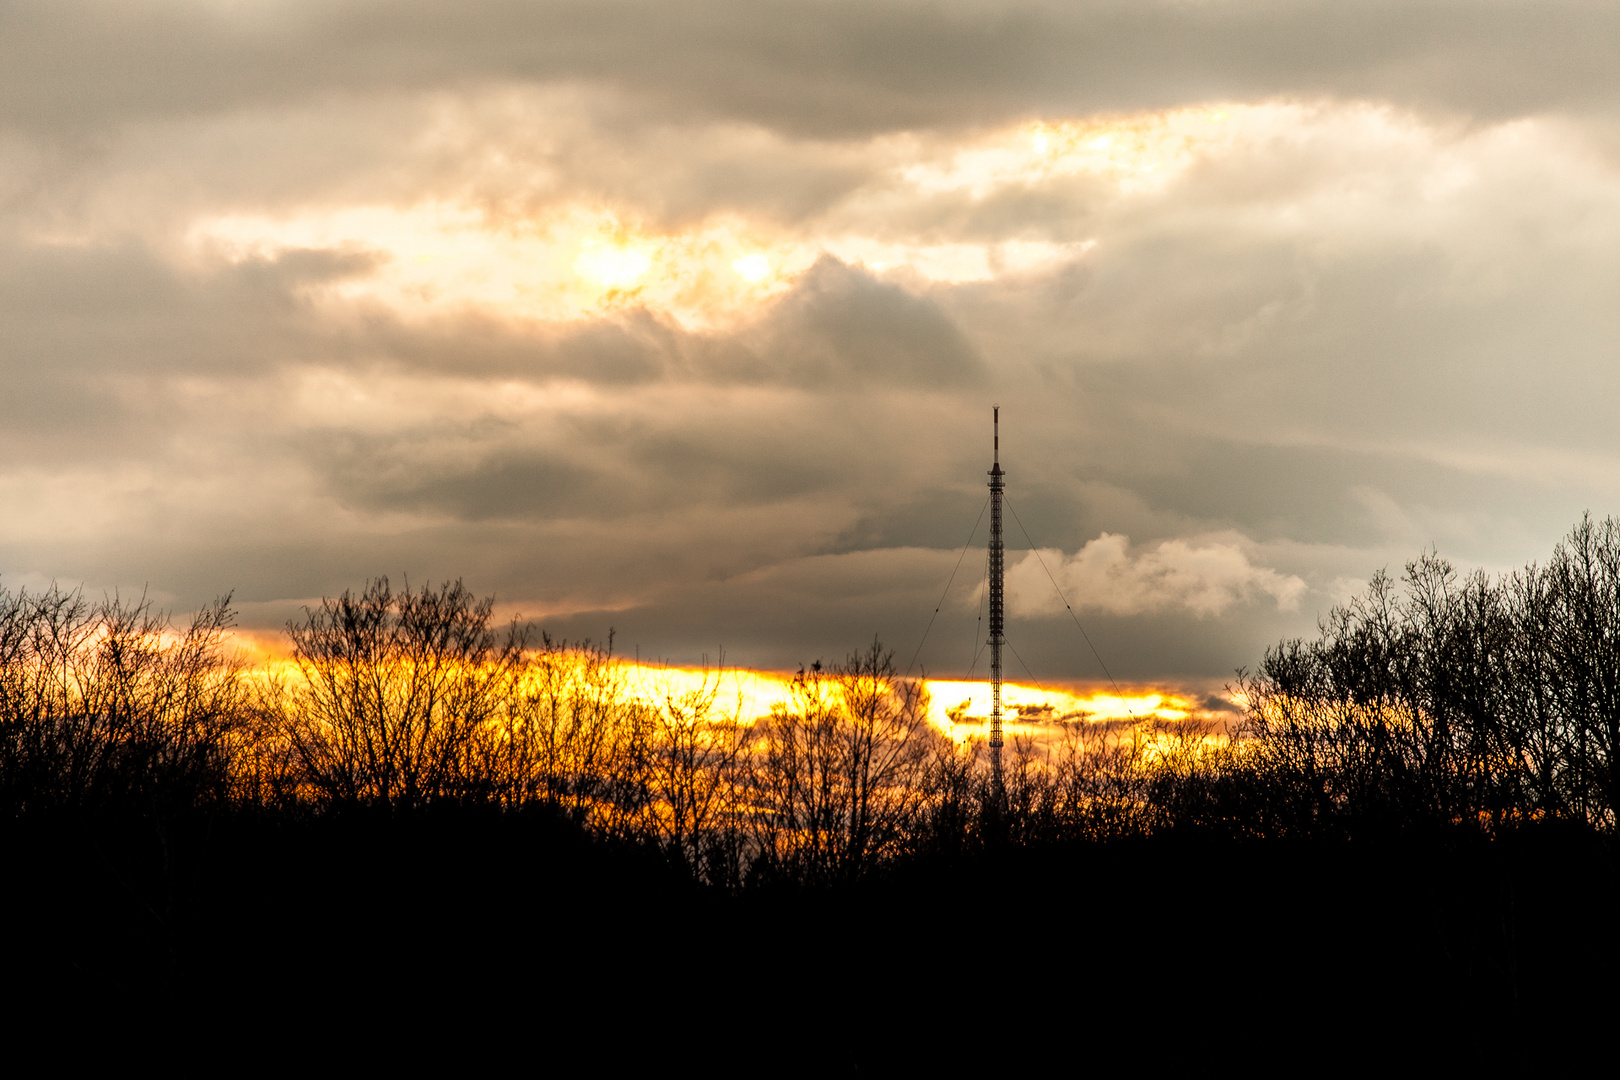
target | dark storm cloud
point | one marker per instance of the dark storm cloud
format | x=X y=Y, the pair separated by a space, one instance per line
x=841 y=328
x=121 y=309
x=838 y=335
x=633 y=348
x=819 y=67
x=602 y=470
x=94 y=337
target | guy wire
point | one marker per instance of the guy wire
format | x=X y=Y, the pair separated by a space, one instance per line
x=1066 y=604
x=1031 y=674
x=952 y=578
x=978 y=642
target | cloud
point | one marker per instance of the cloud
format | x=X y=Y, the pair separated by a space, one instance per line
x=841 y=326
x=690 y=319
x=1205 y=576
x=804 y=67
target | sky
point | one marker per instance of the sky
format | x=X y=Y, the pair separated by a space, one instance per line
x=686 y=320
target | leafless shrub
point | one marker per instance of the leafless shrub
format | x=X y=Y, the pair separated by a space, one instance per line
x=843 y=772
x=394 y=694
x=106 y=705
x=694 y=783
x=570 y=734
x=1455 y=699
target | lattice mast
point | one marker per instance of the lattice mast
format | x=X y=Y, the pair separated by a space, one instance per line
x=997 y=636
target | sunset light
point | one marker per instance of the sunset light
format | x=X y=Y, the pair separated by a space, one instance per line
x=961 y=709
x=752 y=267
x=957 y=708
x=570 y=260
x=612 y=266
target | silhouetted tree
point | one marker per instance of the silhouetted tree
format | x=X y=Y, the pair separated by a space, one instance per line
x=105 y=707
x=842 y=772
x=394 y=694
x=572 y=736
x=1454 y=699
x=693 y=782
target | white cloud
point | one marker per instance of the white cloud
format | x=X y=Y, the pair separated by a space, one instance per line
x=1203 y=575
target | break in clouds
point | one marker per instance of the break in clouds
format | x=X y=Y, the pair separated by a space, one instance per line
x=687 y=320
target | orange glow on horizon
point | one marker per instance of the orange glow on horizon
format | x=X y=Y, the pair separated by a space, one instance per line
x=958 y=708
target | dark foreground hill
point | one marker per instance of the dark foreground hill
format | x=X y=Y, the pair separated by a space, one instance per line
x=244 y=924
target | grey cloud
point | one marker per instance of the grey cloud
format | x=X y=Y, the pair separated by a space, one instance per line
x=793 y=613
x=938 y=515
x=512 y=151
x=601 y=471
x=1060 y=211
x=838 y=330
x=782 y=614
x=632 y=349
x=407 y=472
x=626 y=349
x=96 y=336
x=808 y=67
x=842 y=326
x=119 y=308
x=672 y=170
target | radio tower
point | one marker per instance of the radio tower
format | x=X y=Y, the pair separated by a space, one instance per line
x=996 y=621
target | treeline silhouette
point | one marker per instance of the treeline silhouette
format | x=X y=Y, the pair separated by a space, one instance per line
x=397 y=703
x=1422 y=795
